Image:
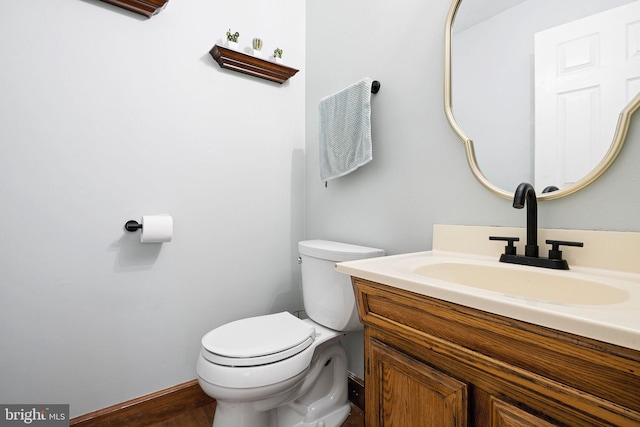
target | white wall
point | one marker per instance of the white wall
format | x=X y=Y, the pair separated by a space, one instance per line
x=419 y=175
x=106 y=116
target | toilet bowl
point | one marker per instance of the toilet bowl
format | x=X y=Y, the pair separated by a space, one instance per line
x=278 y=370
x=248 y=384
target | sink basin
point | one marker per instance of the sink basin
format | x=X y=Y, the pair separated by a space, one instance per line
x=554 y=287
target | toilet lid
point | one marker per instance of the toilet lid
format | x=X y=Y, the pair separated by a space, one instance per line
x=258 y=340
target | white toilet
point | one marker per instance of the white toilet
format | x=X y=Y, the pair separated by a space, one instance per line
x=279 y=371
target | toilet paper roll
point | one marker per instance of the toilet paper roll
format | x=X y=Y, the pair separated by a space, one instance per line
x=156 y=228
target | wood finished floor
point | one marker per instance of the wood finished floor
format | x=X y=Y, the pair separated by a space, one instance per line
x=203 y=417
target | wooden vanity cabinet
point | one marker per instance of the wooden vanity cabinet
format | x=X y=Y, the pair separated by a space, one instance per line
x=436 y=364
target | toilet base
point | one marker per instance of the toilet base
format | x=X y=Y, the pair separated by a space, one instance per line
x=249 y=418
x=237 y=409
x=323 y=400
x=315 y=398
x=334 y=419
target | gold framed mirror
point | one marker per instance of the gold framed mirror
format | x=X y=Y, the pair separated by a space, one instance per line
x=566 y=135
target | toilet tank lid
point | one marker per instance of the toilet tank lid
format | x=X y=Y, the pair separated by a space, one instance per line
x=336 y=251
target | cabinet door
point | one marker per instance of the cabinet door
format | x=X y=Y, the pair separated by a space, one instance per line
x=404 y=392
x=506 y=415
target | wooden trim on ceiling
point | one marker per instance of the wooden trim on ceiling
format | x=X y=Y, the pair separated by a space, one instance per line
x=147 y=8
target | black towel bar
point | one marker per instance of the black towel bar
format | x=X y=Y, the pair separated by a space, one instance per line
x=375 y=86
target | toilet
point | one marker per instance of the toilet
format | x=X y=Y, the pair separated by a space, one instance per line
x=278 y=370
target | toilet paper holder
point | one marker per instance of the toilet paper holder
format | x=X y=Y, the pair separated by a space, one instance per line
x=156 y=228
x=132 y=226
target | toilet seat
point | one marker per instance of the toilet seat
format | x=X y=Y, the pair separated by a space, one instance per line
x=258 y=340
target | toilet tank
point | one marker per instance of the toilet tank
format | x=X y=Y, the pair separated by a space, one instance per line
x=328 y=295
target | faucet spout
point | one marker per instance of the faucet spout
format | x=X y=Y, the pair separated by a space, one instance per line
x=526 y=194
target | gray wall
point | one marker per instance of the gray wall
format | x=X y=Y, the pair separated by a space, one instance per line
x=106 y=116
x=419 y=175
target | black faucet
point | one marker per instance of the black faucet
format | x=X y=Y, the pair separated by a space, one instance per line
x=526 y=195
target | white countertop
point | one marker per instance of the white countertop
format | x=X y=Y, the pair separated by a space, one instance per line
x=617 y=323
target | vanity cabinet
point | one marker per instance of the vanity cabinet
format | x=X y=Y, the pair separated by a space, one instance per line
x=432 y=363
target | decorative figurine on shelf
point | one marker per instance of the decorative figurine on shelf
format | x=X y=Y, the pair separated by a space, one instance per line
x=257 y=47
x=232 y=40
x=277 y=55
x=233 y=37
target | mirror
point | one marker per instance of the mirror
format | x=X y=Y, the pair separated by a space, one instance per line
x=541 y=91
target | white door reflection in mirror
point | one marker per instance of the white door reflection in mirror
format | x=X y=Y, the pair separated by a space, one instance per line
x=490 y=92
x=586 y=71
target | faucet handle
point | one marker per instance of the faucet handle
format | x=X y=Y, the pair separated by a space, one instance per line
x=555 y=252
x=510 y=249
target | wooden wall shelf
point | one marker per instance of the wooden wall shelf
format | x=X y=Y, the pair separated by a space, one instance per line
x=247 y=64
x=147 y=8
